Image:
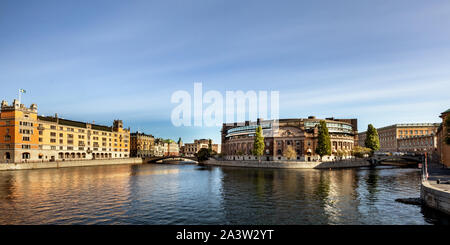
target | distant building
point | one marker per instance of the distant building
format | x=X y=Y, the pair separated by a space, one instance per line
x=158 y=149
x=190 y=149
x=141 y=145
x=419 y=143
x=389 y=136
x=27 y=137
x=171 y=148
x=301 y=134
x=443 y=135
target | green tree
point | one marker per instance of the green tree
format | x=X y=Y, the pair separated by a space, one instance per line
x=340 y=153
x=372 y=140
x=290 y=153
x=210 y=146
x=324 y=142
x=258 y=144
x=359 y=151
x=203 y=155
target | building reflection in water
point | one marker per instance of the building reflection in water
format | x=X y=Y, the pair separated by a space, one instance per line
x=187 y=194
x=347 y=196
x=79 y=195
x=264 y=195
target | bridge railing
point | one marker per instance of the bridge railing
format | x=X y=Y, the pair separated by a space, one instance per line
x=425 y=168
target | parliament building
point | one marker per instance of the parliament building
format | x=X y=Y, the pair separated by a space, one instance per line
x=301 y=134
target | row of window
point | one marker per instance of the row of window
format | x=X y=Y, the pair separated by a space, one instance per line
x=411 y=131
x=25 y=131
x=53 y=127
x=70 y=136
x=417 y=143
x=80 y=148
x=24 y=138
x=82 y=143
x=28 y=124
x=68 y=148
x=27 y=155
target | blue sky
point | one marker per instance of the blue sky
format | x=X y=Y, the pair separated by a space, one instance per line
x=382 y=62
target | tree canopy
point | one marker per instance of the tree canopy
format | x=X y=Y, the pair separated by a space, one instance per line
x=203 y=155
x=210 y=146
x=290 y=153
x=324 y=142
x=258 y=144
x=372 y=141
x=359 y=151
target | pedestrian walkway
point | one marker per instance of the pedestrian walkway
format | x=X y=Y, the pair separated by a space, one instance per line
x=437 y=171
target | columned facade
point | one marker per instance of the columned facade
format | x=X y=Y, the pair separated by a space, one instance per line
x=298 y=134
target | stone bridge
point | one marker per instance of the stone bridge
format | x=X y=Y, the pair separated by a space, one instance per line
x=392 y=158
x=168 y=158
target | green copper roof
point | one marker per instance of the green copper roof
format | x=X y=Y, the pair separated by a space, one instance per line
x=447 y=111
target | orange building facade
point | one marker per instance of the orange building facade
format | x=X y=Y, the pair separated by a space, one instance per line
x=27 y=137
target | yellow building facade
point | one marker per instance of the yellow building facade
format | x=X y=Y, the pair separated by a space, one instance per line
x=390 y=136
x=27 y=137
x=142 y=145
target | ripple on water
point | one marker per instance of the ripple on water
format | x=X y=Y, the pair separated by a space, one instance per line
x=187 y=194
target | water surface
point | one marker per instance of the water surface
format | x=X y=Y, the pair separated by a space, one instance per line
x=189 y=194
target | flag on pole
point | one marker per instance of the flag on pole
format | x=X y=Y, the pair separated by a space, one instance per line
x=22 y=91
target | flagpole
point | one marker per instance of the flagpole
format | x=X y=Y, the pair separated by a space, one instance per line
x=20 y=96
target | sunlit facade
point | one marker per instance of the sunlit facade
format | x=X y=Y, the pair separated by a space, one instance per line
x=27 y=137
x=300 y=134
x=396 y=137
x=190 y=149
x=142 y=145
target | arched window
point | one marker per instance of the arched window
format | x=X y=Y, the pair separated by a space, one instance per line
x=26 y=155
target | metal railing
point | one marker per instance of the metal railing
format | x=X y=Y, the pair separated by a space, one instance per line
x=425 y=168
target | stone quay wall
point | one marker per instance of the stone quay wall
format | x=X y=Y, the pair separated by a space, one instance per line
x=66 y=164
x=290 y=164
x=435 y=198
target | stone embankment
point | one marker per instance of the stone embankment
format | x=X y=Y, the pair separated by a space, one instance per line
x=66 y=164
x=435 y=197
x=435 y=190
x=349 y=163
